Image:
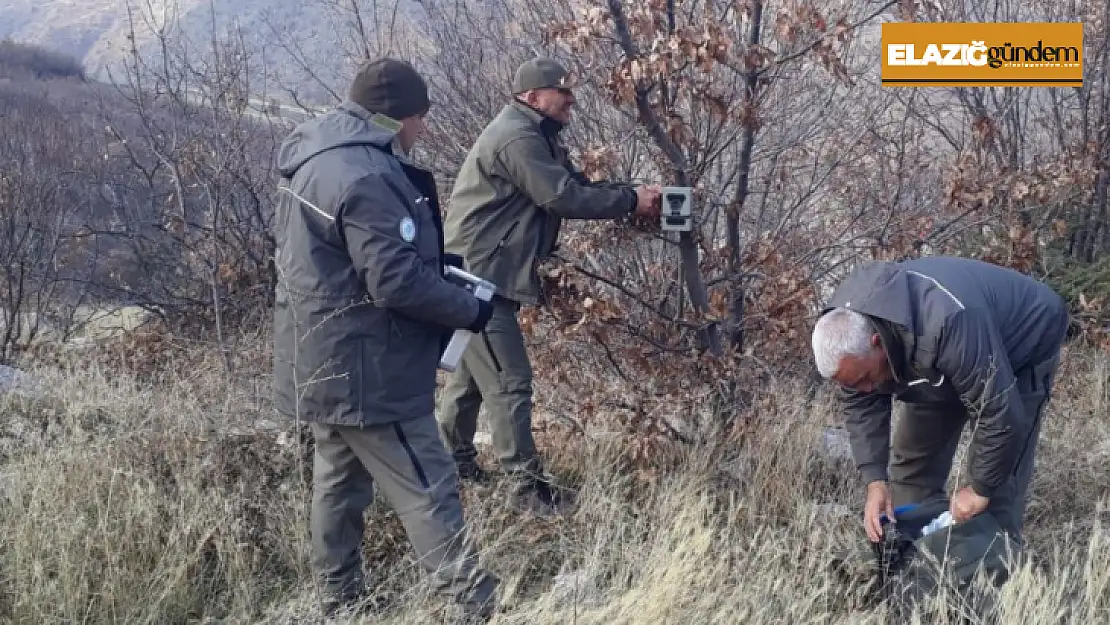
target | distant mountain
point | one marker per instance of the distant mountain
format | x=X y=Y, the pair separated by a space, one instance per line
x=95 y=31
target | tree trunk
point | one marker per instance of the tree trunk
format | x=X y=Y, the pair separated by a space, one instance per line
x=687 y=245
x=736 y=311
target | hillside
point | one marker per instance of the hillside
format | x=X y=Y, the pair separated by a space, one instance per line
x=145 y=477
x=96 y=31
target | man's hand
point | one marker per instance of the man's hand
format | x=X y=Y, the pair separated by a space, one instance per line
x=878 y=503
x=967 y=504
x=648 y=201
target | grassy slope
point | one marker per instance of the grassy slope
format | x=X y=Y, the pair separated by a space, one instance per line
x=131 y=499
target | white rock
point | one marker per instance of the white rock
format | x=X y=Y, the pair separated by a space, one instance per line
x=486 y=438
x=13 y=380
x=575 y=587
x=834 y=511
x=835 y=443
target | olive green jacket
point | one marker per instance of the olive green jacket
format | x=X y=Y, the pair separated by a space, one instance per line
x=513 y=191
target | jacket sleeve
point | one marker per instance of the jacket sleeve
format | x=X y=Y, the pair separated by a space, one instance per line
x=972 y=357
x=529 y=165
x=867 y=419
x=395 y=275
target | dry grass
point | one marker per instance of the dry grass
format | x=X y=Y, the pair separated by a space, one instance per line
x=159 y=499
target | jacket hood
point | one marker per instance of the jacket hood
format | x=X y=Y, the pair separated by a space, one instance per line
x=347 y=124
x=881 y=291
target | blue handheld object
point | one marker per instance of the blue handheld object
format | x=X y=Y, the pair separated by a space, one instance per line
x=898 y=511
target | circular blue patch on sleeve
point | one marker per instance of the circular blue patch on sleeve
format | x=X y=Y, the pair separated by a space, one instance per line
x=408 y=229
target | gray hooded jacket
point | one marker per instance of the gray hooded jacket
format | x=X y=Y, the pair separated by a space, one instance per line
x=362 y=309
x=956 y=331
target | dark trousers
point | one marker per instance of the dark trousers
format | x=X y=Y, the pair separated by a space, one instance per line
x=495 y=370
x=925 y=442
x=407 y=461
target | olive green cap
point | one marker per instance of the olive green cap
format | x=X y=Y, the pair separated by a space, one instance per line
x=541 y=73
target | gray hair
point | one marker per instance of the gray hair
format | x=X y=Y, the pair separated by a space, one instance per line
x=839 y=333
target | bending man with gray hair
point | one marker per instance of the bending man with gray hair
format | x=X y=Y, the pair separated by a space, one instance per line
x=956 y=340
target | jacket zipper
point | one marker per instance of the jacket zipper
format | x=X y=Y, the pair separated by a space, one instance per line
x=501 y=243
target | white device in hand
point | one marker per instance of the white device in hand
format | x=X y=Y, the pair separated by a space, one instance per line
x=676 y=215
x=481 y=289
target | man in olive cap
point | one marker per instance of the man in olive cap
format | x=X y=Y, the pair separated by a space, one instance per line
x=362 y=312
x=511 y=195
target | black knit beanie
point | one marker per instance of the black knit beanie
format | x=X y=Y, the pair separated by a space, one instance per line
x=391 y=87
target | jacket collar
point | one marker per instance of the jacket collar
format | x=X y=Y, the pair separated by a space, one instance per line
x=892 y=346
x=388 y=136
x=550 y=127
x=383 y=136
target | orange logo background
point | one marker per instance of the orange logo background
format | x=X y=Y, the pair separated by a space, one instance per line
x=987 y=54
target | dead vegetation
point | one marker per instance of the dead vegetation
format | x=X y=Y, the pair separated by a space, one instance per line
x=173 y=500
x=148 y=481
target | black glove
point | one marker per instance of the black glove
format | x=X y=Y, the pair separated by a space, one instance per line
x=485 y=311
x=445 y=339
x=452 y=260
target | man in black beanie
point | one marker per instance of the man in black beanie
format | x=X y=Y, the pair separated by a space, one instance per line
x=393 y=88
x=362 y=311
